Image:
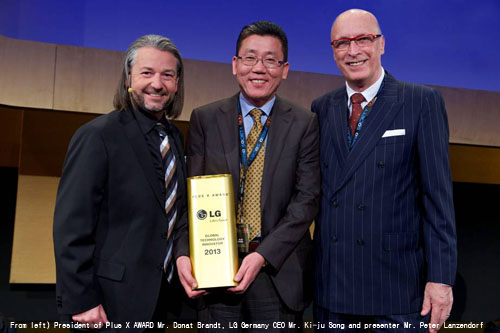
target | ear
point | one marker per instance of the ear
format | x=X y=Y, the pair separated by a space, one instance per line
x=382 y=44
x=334 y=57
x=286 y=67
x=174 y=90
x=235 y=60
x=128 y=83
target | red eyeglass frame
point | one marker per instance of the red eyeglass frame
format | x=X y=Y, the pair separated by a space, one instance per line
x=353 y=39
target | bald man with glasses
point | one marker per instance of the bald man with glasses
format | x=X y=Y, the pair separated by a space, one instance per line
x=385 y=235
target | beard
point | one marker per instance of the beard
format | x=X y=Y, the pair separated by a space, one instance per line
x=151 y=108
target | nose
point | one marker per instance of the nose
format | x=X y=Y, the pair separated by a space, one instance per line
x=156 y=81
x=353 y=48
x=259 y=66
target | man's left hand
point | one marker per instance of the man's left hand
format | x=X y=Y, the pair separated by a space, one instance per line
x=249 y=269
x=438 y=298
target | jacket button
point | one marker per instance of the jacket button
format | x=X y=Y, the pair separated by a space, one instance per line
x=361 y=207
x=334 y=239
x=160 y=267
x=381 y=164
x=360 y=242
x=325 y=165
x=335 y=204
x=164 y=235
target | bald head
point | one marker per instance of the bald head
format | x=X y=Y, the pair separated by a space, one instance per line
x=352 y=20
x=359 y=61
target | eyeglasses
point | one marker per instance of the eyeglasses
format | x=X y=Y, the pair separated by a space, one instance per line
x=361 y=41
x=267 y=62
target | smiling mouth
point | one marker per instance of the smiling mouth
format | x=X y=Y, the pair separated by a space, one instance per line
x=356 y=63
x=155 y=95
x=257 y=81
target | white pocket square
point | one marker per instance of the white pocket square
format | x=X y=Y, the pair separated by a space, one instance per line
x=396 y=132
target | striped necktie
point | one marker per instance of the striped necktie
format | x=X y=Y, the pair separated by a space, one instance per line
x=169 y=166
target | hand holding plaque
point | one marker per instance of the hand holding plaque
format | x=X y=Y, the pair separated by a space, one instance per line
x=186 y=278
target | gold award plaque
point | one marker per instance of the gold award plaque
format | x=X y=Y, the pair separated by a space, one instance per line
x=212 y=230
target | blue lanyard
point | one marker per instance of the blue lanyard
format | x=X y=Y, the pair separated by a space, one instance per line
x=243 y=142
x=245 y=162
x=352 y=140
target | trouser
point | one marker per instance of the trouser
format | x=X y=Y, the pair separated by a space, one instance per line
x=259 y=309
x=324 y=320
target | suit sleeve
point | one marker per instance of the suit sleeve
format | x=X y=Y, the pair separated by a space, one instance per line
x=303 y=205
x=195 y=147
x=181 y=238
x=436 y=191
x=79 y=198
x=195 y=164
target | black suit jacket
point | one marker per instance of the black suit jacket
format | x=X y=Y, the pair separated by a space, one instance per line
x=110 y=223
x=386 y=224
x=290 y=184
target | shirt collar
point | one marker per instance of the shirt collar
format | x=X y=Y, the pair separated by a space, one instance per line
x=148 y=122
x=246 y=106
x=369 y=93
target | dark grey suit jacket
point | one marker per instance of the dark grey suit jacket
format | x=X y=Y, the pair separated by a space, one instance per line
x=290 y=184
x=110 y=223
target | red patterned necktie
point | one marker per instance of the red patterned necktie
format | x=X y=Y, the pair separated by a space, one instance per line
x=356 y=100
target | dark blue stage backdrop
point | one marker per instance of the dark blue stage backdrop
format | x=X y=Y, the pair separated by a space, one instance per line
x=443 y=42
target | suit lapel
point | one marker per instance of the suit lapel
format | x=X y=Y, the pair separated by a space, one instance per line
x=381 y=116
x=228 y=130
x=278 y=131
x=337 y=119
x=136 y=139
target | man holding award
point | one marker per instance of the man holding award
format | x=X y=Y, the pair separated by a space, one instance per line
x=270 y=147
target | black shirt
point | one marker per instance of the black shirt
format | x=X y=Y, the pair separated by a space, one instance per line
x=147 y=125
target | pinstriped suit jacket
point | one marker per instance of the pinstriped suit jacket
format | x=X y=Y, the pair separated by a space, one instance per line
x=386 y=222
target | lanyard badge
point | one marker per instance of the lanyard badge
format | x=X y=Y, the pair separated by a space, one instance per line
x=243 y=229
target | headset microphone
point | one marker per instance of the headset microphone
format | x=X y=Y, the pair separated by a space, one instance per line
x=130 y=90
